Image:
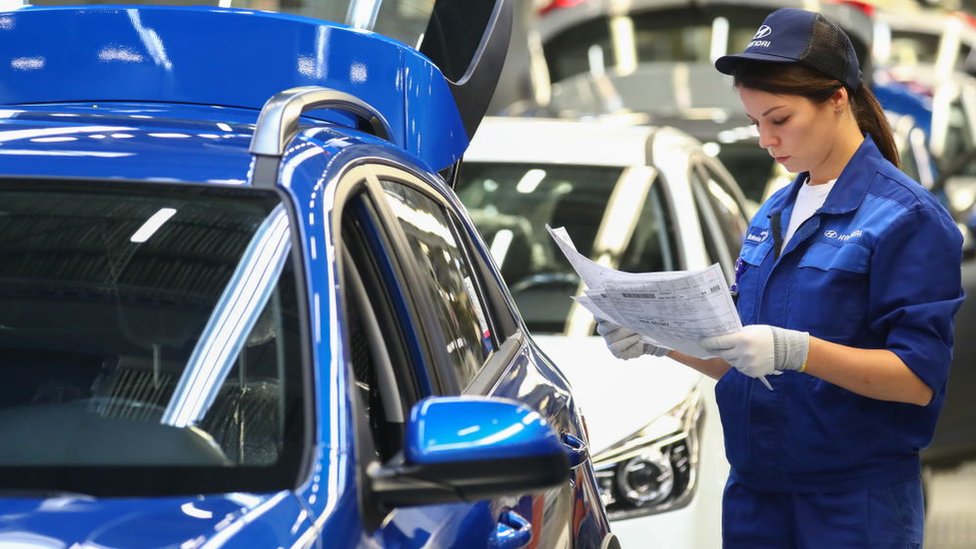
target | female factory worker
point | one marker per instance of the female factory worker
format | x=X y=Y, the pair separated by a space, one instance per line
x=847 y=284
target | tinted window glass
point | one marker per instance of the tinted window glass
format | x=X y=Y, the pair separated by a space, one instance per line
x=449 y=282
x=750 y=165
x=512 y=203
x=908 y=162
x=959 y=137
x=377 y=329
x=651 y=245
x=137 y=335
x=965 y=59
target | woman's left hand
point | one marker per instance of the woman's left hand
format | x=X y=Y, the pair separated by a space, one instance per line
x=760 y=350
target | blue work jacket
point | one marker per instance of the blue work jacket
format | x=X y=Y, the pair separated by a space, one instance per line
x=876 y=267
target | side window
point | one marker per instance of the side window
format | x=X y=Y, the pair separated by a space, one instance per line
x=959 y=135
x=652 y=245
x=388 y=371
x=908 y=164
x=447 y=279
x=723 y=220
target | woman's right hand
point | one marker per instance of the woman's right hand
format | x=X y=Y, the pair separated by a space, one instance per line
x=625 y=343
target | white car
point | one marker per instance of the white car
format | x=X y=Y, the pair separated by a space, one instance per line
x=915 y=42
x=638 y=199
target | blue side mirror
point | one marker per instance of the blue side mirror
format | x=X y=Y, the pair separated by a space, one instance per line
x=471 y=448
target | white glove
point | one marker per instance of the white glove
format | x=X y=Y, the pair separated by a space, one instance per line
x=759 y=350
x=625 y=343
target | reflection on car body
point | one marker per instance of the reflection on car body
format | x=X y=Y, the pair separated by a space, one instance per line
x=636 y=199
x=228 y=325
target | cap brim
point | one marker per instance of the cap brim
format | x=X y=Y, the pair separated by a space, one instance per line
x=728 y=63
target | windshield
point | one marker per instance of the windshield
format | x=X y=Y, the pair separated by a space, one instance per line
x=149 y=339
x=404 y=20
x=614 y=216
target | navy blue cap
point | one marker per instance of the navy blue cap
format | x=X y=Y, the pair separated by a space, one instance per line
x=793 y=35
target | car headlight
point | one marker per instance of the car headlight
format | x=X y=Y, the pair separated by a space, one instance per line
x=653 y=470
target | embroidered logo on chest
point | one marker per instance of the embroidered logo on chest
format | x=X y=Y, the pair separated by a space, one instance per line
x=832 y=234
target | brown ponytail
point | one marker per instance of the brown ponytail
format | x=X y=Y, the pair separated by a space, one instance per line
x=794 y=79
x=872 y=120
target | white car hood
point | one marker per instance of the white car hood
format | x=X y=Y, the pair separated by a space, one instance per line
x=617 y=397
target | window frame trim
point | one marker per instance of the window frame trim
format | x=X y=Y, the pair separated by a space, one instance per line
x=401 y=175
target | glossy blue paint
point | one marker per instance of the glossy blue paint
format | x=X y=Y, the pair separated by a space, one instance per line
x=326 y=502
x=422 y=115
x=513 y=532
x=171 y=94
x=270 y=520
x=195 y=55
x=531 y=370
x=460 y=429
x=454 y=525
x=127 y=141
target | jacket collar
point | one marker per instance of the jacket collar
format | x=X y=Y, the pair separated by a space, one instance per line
x=851 y=186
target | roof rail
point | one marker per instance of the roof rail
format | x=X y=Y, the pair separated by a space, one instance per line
x=278 y=123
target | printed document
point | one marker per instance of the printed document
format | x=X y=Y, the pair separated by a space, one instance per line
x=675 y=309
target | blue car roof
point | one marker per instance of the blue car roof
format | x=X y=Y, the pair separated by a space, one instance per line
x=129 y=141
x=232 y=58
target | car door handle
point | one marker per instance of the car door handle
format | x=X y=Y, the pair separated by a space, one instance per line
x=512 y=532
x=575 y=450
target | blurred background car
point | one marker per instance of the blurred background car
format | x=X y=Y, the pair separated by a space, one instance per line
x=651 y=61
x=240 y=307
x=634 y=198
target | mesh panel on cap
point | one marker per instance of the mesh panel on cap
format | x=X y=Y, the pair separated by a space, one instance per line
x=828 y=50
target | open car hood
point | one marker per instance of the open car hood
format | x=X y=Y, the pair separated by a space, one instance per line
x=430 y=100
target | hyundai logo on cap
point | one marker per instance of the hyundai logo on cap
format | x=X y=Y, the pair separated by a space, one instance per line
x=802 y=37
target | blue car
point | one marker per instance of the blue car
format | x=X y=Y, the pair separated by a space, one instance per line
x=240 y=305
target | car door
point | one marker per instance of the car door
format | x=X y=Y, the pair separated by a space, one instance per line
x=449 y=331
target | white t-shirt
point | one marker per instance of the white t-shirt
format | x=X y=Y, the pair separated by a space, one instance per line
x=808 y=201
